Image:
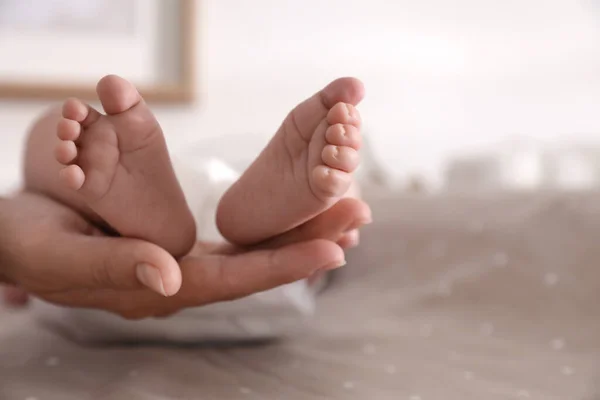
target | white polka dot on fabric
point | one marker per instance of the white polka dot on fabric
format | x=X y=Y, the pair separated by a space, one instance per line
x=245 y=390
x=566 y=370
x=390 y=369
x=369 y=349
x=476 y=227
x=348 y=385
x=487 y=329
x=500 y=259
x=550 y=279
x=426 y=330
x=52 y=361
x=557 y=344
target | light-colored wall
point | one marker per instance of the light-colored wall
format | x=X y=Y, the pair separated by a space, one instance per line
x=441 y=76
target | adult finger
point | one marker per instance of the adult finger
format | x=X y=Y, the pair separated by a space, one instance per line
x=212 y=278
x=334 y=224
x=227 y=277
x=93 y=262
x=349 y=239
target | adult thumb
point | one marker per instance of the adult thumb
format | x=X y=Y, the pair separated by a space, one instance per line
x=120 y=264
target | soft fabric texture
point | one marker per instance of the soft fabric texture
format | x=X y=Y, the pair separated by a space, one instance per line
x=447 y=298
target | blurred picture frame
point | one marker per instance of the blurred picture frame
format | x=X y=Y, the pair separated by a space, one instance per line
x=61 y=48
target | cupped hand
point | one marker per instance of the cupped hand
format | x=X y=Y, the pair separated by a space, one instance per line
x=53 y=253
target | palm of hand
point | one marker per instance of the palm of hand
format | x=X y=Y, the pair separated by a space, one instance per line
x=55 y=254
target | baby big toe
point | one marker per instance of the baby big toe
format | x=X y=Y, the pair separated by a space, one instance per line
x=340 y=157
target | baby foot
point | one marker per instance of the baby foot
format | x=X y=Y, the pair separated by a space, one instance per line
x=304 y=170
x=120 y=167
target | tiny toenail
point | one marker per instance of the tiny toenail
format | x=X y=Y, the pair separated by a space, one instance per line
x=349 y=108
x=336 y=152
x=343 y=132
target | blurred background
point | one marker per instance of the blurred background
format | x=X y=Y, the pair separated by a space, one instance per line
x=461 y=94
x=493 y=297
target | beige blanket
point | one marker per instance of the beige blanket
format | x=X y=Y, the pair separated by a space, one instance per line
x=447 y=298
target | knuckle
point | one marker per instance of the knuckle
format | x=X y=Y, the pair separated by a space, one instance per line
x=101 y=272
x=229 y=286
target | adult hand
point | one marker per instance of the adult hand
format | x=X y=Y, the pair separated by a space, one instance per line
x=55 y=254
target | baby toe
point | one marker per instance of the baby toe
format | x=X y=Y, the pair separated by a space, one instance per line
x=330 y=182
x=72 y=177
x=65 y=152
x=117 y=95
x=340 y=157
x=75 y=109
x=344 y=113
x=344 y=135
x=68 y=129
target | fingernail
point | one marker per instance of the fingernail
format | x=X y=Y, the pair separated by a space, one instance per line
x=353 y=242
x=335 y=265
x=336 y=152
x=150 y=277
